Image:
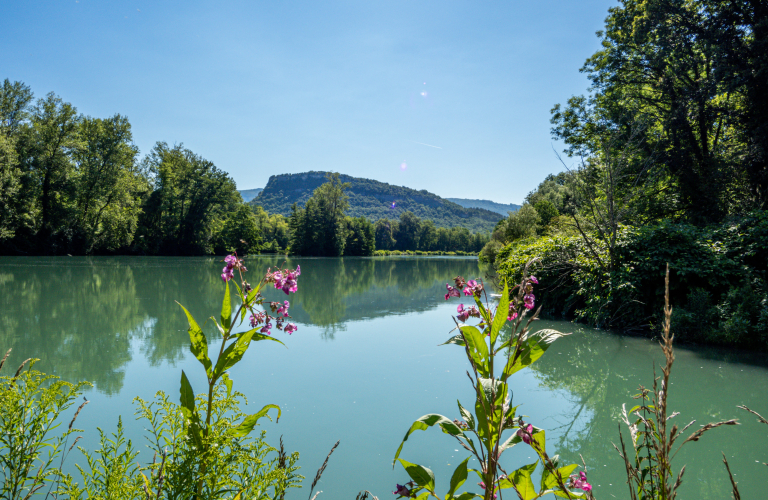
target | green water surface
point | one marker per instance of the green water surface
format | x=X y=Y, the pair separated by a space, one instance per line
x=364 y=364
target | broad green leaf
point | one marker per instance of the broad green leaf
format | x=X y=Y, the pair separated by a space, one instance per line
x=235 y=351
x=483 y=311
x=429 y=420
x=477 y=347
x=467 y=496
x=466 y=415
x=456 y=339
x=521 y=479
x=199 y=342
x=571 y=494
x=501 y=315
x=249 y=422
x=549 y=481
x=226 y=309
x=187 y=395
x=420 y=475
x=492 y=393
x=458 y=478
x=534 y=345
x=423 y=496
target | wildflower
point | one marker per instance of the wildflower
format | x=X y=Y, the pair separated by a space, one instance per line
x=227 y=273
x=526 y=433
x=452 y=292
x=580 y=481
x=459 y=281
x=460 y=423
x=266 y=329
x=463 y=313
x=257 y=318
x=290 y=328
x=402 y=490
x=528 y=299
x=533 y=279
x=290 y=285
x=473 y=288
x=284 y=309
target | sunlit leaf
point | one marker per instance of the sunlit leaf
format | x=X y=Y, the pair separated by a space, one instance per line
x=199 y=342
x=430 y=420
x=247 y=425
x=420 y=474
x=458 y=478
x=226 y=309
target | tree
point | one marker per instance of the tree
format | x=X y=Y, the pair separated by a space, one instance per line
x=189 y=193
x=408 y=229
x=361 y=237
x=522 y=223
x=427 y=235
x=108 y=184
x=320 y=227
x=239 y=232
x=384 y=230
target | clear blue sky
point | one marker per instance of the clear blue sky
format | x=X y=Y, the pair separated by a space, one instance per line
x=262 y=88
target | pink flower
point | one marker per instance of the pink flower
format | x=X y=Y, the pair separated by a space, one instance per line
x=290 y=328
x=452 y=292
x=533 y=279
x=266 y=329
x=528 y=299
x=526 y=433
x=482 y=485
x=284 y=309
x=257 y=318
x=227 y=273
x=580 y=481
x=463 y=313
x=402 y=491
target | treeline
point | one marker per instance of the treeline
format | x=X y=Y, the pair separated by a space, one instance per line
x=321 y=228
x=75 y=184
x=667 y=163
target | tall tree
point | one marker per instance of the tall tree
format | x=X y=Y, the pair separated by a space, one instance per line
x=109 y=184
x=189 y=192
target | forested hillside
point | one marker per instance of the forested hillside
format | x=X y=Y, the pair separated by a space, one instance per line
x=499 y=208
x=373 y=200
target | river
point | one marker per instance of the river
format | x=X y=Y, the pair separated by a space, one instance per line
x=364 y=364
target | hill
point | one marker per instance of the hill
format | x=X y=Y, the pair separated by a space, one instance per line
x=373 y=200
x=249 y=194
x=499 y=208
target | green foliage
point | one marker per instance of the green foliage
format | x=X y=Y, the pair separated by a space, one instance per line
x=30 y=405
x=373 y=200
x=239 y=232
x=482 y=433
x=320 y=227
x=189 y=193
x=361 y=237
x=718 y=286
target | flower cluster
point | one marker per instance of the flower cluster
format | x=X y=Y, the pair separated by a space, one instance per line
x=580 y=481
x=470 y=288
x=284 y=279
x=229 y=270
x=465 y=313
x=280 y=308
x=525 y=433
x=528 y=298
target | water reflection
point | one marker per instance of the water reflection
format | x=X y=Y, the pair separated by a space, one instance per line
x=595 y=373
x=80 y=315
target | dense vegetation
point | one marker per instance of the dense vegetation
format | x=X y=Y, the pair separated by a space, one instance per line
x=670 y=164
x=373 y=200
x=321 y=228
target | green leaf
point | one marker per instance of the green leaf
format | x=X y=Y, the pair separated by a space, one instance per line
x=549 y=480
x=429 y=420
x=466 y=415
x=483 y=311
x=501 y=315
x=226 y=309
x=456 y=339
x=247 y=425
x=227 y=382
x=467 y=496
x=235 y=351
x=491 y=393
x=420 y=475
x=521 y=479
x=534 y=345
x=458 y=478
x=477 y=348
x=187 y=395
x=199 y=342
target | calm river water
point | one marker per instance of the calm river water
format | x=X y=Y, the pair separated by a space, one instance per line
x=364 y=364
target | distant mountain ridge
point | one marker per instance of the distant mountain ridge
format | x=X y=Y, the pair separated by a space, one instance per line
x=373 y=200
x=249 y=194
x=499 y=208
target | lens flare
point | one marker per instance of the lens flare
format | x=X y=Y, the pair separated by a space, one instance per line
x=403 y=165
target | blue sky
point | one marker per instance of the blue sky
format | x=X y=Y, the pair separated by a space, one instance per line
x=453 y=97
